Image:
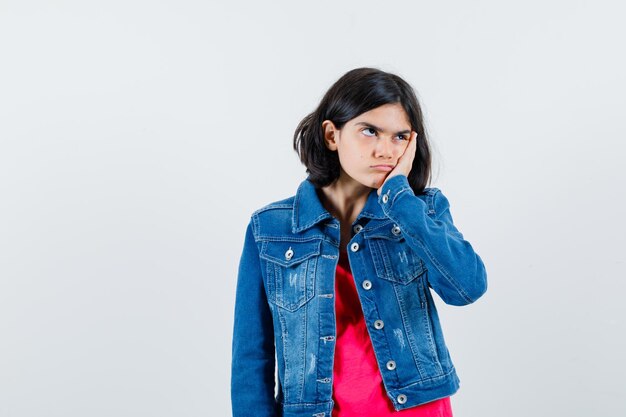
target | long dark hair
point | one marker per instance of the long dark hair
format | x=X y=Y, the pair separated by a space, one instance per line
x=358 y=91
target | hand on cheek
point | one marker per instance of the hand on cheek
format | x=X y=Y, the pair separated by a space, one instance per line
x=403 y=167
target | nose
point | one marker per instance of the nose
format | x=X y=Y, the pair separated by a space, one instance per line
x=384 y=148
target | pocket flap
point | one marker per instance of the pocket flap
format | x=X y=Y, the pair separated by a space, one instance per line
x=278 y=251
x=394 y=259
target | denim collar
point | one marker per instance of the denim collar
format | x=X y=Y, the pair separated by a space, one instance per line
x=308 y=209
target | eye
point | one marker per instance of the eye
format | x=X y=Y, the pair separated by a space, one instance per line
x=399 y=137
x=369 y=128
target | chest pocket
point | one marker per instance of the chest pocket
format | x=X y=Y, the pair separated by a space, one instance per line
x=394 y=260
x=291 y=268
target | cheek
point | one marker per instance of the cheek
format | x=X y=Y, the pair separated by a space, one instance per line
x=354 y=154
x=353 y=161
x=400 y=149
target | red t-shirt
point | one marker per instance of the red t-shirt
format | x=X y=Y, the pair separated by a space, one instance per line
x=358 y=389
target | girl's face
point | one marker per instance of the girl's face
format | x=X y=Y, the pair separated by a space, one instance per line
x=369 y=145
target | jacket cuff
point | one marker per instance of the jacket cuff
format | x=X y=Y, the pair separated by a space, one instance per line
x=392 y=188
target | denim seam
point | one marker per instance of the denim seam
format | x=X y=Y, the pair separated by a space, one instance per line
x=431 y=203
x=398 y=193
x=255 y=226
x=288 y=239
x=310 y=224
x=384 y=256
x=272 y=206
x=304 y=404
x=370 y=227
x=286 y=370
x=431 y=332
x=370 y=215
x=318 y=346
x=408 y=331
x=433 y=378
x=304 y=363
x=271 y=283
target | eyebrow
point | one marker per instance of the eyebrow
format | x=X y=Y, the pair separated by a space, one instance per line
x=379 y=129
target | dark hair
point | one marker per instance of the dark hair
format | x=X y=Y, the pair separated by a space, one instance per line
x=356 y=92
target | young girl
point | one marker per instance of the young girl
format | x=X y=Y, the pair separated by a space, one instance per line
x=334 y=314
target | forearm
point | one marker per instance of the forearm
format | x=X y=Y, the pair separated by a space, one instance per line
x=455 y=271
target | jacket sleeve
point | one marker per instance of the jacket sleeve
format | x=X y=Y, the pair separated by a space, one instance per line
x=455 y=271
x=253 y=362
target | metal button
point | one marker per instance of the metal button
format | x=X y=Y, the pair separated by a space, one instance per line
x=391 y=365
x=357 y=228
x=289 y=253
x=385 y=198
x=379 y=324
x=367 y=284
x=401 y=398
x=354 y=247
x=395 y=230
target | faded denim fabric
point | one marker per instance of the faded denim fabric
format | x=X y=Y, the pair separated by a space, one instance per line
x=402 y=246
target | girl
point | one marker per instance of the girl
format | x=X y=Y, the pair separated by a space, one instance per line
x=334 y=314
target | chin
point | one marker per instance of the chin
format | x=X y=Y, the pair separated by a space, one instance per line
x=369 y=180
x=375 y=183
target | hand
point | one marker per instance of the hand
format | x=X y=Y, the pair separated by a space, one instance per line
x=403 y=167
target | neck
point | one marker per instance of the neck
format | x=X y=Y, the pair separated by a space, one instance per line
x=344 y=199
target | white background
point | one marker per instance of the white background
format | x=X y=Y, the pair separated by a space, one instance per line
x=136 y=138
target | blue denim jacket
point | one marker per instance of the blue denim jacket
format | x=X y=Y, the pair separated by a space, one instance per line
x=402 y=246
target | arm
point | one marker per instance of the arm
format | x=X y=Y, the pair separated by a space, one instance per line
x=252 y=368
x=455 y=271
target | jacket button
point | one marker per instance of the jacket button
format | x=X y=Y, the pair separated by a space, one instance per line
x=379 y=324
x=395 y=230
x=354 y=247
x=357 y=228
x=391 y=365
x=289 y=253
x=401 y=398
x=367 y=284
x=385 y=198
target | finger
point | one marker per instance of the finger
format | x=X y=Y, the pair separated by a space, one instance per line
x=412 y=138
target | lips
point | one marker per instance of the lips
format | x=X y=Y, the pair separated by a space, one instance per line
x=382 y=167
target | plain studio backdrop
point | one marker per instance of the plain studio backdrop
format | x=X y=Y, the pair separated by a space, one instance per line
x=137 y=137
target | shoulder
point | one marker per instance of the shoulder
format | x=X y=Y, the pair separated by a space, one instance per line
x=435 y=199
x=274 y=215
x=278 y=205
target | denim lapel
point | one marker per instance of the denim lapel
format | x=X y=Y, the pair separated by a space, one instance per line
x=308 y=209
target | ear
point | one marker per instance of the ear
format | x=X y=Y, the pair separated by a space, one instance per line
x=330 y=134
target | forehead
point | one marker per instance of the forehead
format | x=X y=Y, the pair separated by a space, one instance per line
x=388 y=116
